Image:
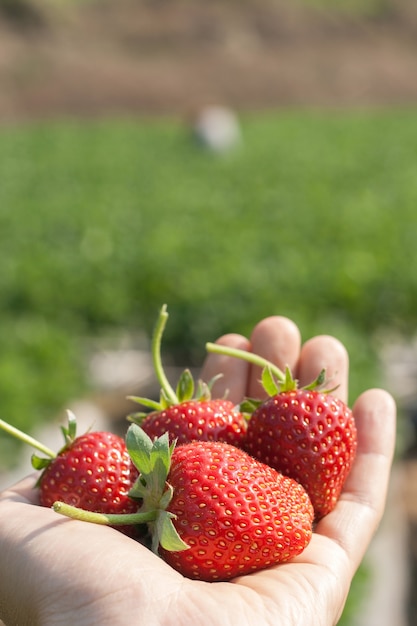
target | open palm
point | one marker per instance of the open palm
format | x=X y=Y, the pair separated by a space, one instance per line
x=55 y=571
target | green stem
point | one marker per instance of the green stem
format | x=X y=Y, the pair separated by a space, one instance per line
x=250 y=357
x=110 y=519
x=156 y=355
x=18 y=434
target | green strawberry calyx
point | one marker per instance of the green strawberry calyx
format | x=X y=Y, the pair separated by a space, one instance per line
x=186 y=388
x=153 y=462
x=69 y=433
x=273 y=379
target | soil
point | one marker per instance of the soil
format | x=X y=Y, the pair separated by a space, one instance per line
x=168 y=57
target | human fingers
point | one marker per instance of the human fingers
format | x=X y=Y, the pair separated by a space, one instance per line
x=233 y=382
x=275 y=338
x=278 y=340
x=24 y=491
x=328 y=353
x=360 y=508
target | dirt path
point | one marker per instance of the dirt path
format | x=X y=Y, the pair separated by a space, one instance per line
x=173 y=57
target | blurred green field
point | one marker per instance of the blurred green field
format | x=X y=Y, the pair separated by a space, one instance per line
x=101 y=222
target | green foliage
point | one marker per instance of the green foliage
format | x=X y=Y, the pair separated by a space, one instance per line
x=102 y=222
x=357 y=595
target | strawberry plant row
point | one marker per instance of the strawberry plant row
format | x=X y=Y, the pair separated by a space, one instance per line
x=313 y=217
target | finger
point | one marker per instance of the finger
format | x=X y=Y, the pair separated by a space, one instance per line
x=278 y=340
x=24 y=491
x=233 y=382
x=325 y=352
x=361 y=505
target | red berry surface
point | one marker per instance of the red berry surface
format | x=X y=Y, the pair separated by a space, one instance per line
x=210 y=420
x=236 y=514
x=308 y=435
x=94 y=472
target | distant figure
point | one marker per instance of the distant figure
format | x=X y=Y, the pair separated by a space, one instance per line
x=217 y=129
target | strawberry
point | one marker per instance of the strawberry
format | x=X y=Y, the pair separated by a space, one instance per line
x=305 y=433
x=93 y=471
x=187 y=415
x=308 y=435
x=237 y=515
x=213 y=510
x=204 y=420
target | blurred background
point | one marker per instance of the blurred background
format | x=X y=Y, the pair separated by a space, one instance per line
x=234 y=159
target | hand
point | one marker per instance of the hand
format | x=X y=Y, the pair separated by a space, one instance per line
x=55 y=571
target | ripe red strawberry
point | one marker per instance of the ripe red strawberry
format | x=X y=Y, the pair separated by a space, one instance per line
x=217 y=512
x=203 y=420
x=236 y=514
x=187 y=415
x=304 y=433
x=308 y=435
x=93 y=471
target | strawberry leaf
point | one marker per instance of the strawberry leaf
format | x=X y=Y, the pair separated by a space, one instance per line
x=185 y=386
x=249 y=405
x=213 y=380
x=138 y=490
x=166 y=535
x=161 y=450
x=268 y=382
x=137 y=418
x=152 y=404
x=318 y=382
x=203 y=391
x=153 y=461
x=39 y=463
x=289 y=384
x=139 y=446
x=166 y=497
x=72 y=425
x=156 y=480
x=70 y=430
x=165 y=401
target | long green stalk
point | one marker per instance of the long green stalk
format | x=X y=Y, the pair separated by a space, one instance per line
x=250 y=357
x=34 y=443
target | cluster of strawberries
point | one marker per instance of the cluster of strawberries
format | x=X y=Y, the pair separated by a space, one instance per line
x=216 y=490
